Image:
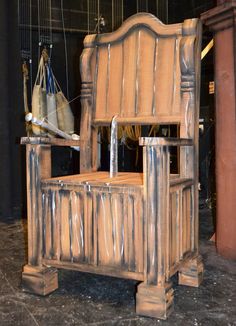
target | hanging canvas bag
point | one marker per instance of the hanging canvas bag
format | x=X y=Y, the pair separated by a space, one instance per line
x=64 y=112
x=51 y=99
x=39 y=101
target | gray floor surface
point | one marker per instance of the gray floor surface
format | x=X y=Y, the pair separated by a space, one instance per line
x=86 y=299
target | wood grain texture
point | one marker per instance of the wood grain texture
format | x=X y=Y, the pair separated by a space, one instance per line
x=49 y=141
x=115 y=234
x=142 y=226
x=38 y=162
x=39 y=280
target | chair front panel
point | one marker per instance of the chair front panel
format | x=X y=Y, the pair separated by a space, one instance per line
x=92 y=224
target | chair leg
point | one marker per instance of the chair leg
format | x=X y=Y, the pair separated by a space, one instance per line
x=191 y=272
x=39 y=280
x=154 y=301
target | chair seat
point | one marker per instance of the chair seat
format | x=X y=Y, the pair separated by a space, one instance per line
x=102 y=178
x=98 y=178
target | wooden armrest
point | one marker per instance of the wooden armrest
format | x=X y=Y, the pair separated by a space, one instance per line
x=49 y=141
x=164 y=141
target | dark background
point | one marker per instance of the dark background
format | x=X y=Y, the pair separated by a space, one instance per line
x=12 y=160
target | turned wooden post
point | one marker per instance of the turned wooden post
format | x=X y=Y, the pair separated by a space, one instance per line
x=221 y=20
x=37 y=278
x=88 y=135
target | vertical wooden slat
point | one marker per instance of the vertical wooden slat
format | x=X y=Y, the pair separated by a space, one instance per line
x=95 y=199
x=194 y=238
x=102 y=82
x=164 y=80
x=177 y=227
x=88 y=225
x=188 y=217
x=154 y=109
x=137 y=89
x=131 y=228
x=176 y=80
x=65 y=225
x=126 y=231
x=105 y=239
x=138 y=232
x=117 y=229
x=145 y=75
x=185 y=221
x=77 y=236
x=55 y=225
x=47 y=232
x=129 y=76
x=171 y=230
x=114 y=89
x=180 y=201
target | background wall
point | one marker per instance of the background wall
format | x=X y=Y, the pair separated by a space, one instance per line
x=11 y=124
x=12 y=161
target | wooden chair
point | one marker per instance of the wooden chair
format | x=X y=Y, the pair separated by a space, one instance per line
x=141 y=226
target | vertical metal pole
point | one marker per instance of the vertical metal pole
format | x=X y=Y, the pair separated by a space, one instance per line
x=167 y=11
x=122 y=11
x=88 y=16
x=112 y=15
x=98 y=21
x=114 y=148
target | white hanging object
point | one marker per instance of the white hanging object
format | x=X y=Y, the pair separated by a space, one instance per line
x=51 y=100
x=65 y=117
x=52 y=110
x=52 y=129
x=64 y=114
x=39 y=100
x=48 y=101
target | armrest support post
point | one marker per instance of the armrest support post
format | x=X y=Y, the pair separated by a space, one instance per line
x=38 y=166
x=156 y=162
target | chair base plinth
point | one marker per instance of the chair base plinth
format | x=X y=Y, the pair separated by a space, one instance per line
x=154 y=301
x=39 y=280
x=191 y=273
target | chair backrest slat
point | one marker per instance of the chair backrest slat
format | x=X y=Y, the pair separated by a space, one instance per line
x=144 y=72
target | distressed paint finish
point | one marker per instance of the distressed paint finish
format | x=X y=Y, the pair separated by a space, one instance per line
x=93 y=221
x=38 y=160
x=35 y=277
x=141 y=226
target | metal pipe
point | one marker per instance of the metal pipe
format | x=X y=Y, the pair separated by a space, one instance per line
x=114 y=149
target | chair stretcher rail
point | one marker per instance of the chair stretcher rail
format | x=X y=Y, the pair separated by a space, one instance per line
x=163 y=141
x=49 y=141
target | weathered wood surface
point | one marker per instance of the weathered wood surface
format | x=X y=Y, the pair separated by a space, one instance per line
x=164 y=141
x=49 y=141
x=101 y=220
x=39 y=280
x=142 y=226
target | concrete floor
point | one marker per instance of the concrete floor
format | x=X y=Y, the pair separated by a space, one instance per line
x=85 y=299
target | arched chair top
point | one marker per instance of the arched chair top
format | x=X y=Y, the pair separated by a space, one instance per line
x=141 y=20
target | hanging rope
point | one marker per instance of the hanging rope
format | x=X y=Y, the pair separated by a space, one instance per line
x=65 y=46
x=25 y=23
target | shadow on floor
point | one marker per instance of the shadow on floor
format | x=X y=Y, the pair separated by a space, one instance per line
x=86 y=299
